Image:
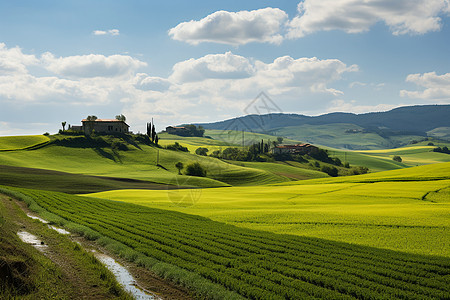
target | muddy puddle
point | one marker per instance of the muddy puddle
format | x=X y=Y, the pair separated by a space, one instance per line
x=31 y=239
x=59 y=230
x=121 y=273
x=124 y=277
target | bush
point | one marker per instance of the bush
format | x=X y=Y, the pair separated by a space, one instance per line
x=332 y=171
x=177 y=147
x=201 y=151
x=195 y=169
x=397 y=158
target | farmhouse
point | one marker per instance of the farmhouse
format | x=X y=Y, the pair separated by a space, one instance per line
x=177 y=130
x=294 y=149
x=102 y=126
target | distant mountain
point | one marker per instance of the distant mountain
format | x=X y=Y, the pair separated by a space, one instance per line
x=419 y=119
x=391 y=128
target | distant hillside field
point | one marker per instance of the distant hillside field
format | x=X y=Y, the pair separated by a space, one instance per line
x=404 y=210
x=21 y=142
x=380 y=130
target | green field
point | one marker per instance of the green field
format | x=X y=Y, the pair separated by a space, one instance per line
x=337 y=136
x=140 y=162
x=404 y=210
x=226 y=262
x=8 y=143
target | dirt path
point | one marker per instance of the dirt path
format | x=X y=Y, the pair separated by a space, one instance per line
x=87 y=289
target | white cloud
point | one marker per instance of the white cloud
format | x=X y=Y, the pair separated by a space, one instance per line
x=340 y=105
x=92 y=65
x=212 y=66
x=150 y=83
x=436 y=87
x=112 y=32
x=354 y=16
x=13 y=61
x=197 y=89
x=234 y=28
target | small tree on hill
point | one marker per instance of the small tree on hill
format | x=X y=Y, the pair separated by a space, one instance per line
x=63 y=125
x=179 y=165
x=201 y=151
x=397 y=158
x=195 y=169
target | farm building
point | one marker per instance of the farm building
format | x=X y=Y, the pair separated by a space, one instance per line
x=177 y=130
x=102 y=126
x=294 y=149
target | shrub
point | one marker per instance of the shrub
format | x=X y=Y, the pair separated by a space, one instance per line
x=195 y=169
x=201 y=151
x=332 y=171
x=397 y=158
x=177 y=147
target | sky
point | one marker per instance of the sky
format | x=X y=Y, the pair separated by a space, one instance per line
x=202 y=61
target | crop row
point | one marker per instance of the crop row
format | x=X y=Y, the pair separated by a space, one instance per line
x=257 y=264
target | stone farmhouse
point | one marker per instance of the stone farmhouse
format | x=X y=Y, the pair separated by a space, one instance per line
x=110 y=126
x=294 y=149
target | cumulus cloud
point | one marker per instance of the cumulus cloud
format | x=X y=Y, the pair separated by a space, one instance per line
x=212 y=66
x=92 y=65
x=151 y=83
x=354 y=16
x=234 y=28
x=14 y=61
x=112 y=32
x=436 y=87
x=197 y=89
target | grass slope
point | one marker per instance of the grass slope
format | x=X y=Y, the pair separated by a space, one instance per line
x=139 y=162
x=70 y=183
x=8 y=143
x=389 y=209
x=226 y=262
x=64 y=271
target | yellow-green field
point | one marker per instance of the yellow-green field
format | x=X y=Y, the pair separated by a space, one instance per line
x=21 y=142
x=406 y=210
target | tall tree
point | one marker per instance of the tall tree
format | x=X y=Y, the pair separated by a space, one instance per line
x=63 y=125
x=153 y=132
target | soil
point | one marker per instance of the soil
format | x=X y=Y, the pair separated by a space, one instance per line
x=145 y=278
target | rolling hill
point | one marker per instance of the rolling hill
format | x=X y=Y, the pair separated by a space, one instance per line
x=376 y=130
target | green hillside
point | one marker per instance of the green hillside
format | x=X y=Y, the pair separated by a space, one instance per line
x=8 y=143
x=345 y=136
x=79 y=155
x=404 y=210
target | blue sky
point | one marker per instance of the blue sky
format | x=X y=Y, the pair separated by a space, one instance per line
x=202 y=61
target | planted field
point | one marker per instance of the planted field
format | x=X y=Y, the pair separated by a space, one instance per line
x=390 y=209
x=224 y=261
x=21 y=142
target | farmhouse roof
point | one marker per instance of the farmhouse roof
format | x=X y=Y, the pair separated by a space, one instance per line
x=105 y=120
x=294 y=146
